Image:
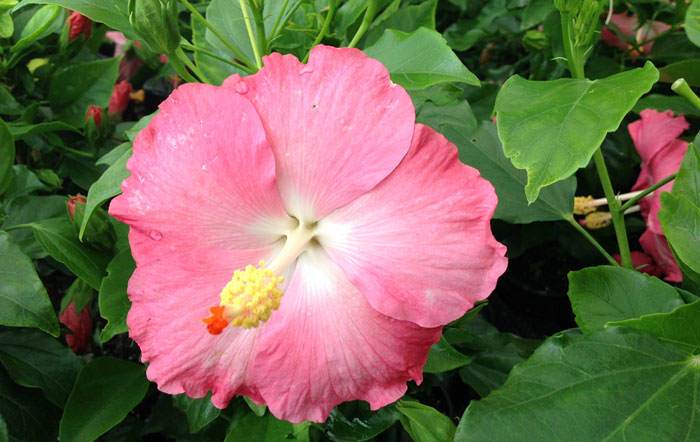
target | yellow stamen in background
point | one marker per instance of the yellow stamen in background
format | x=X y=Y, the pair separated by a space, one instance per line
x=597 y=220
x=138 y=96
x=251 y=295
x=583 y=205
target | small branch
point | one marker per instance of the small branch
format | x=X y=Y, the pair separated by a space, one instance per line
x=592 y=240
x=366 y=22
x=251 y=33
x=324 y=28
x=643 y=193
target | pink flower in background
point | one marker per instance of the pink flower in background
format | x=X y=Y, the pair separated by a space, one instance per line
x=317 y=174
x=80 y=326
x=78 y=25
x=642 y=262
x=94 y=113
x=628 y=26
x=119 y=100
x=655 y=136
x=120 y=42
x=72 y=202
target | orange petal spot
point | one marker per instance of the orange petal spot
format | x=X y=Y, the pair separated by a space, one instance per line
x=216 y=322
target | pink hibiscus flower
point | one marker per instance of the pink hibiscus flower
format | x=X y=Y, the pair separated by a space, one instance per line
x=628 y=26
x=655 y=135
x=381 y=234
x=642 y=262
x=80 y=326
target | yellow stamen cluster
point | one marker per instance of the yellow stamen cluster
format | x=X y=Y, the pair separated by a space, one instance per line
x=251 y=296
x=598 y=220
x=583 y=205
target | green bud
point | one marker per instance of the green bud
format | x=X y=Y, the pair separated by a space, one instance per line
x=155 y=21
x=99 y=232
x=536 y=40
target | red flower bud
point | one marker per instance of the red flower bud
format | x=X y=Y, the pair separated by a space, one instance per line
x=80 y=326
x=94 y=113
x=78 y=25
x=120 y=98
x=72 y=202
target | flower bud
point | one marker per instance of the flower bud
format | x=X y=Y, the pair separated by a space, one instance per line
x=98 y=232
x=80 y=326
x=155 y=21
x=119 y=100
x=79 y=25
x=72 y=202
x=94 y=115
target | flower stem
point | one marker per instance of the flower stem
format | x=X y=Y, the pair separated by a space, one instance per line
x=195 y=13
x=185 y=59
x=592 y=240
x=366 y=21
x=211 y=54
x=181 y=69
x=681 y=87
x=251 y=33
x=618 y=217
x=324 y=28
x=572 y=58
x=643 y=193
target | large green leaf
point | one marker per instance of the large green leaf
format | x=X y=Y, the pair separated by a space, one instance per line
x=552 y=128
x=113 y=301
x=34 y=359
x=687 y=69
x=77 y=86
x=58 y=237
x=23 y=298
x=692 y=22
x=107 y=186
x=659 y=102
x=106 y=390
x=358 y=424
x=609 y=386
x=226 y=17
x=28 y=416
x=199 y=412
x=424 y=423
x=113 y=13
x=261 y=429
x=603 y=294
x=407 y=18
x=444 y=357
x=680 y=211
x=419 y=59
x=7 y=156
x=26 y=209
x=679 y=326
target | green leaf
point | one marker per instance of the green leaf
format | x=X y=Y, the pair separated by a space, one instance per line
x=680 y=211
x=106 y=187
x=34 y=359
x=407 y=18
x=7 y=28
x=444 y=357
x=692 y=22
x=552 y=128
x=363 y=424
x=28 y=416
x=609 y=386
x=42 y=23
x=77 y=86
x=4 y=436
x=226 y=17
x=688 y=69
x=603 y=294
x=679 y=326
x=113 y=301
x=57 y=236
x=482 y=150
x=20 y=131
x=23 y=298
x=106 y=390
x=258 y=410
x=199 y=412
x=678 y=105
x=252 y=428
x=29 y=208
x=7 y=156
x=419 y=59
x=8 y=104
x=535 y=13
x=113 y=13
x=424 y=423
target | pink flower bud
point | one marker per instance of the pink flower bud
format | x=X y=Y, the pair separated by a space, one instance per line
x=94 y=113
x=80 y=326
x=78 y=25
x=72 y=202
x=119 y=100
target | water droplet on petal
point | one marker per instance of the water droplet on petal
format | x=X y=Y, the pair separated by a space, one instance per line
x=155 y=235
x=241 y=87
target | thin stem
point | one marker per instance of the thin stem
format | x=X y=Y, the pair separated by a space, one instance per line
x=618 y=217
x=643 y=193
x=260 y=27
x=278 y=19
x=215 y=56
x=681 y=87
x=181 y=69
x=592 y=240
x=251 y=33
x=185 y=59
x=366 y=22
x=324 y=28
x=195 y=13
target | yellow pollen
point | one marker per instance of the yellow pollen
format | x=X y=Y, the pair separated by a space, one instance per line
x=583 y=206
x=251 y=295
x=597 y=220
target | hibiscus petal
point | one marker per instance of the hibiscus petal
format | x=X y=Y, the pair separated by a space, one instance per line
x=327 y=345
x=202 y=173
x=337 y=125
x=657 y=246
x=654 y=131
x=419 y=246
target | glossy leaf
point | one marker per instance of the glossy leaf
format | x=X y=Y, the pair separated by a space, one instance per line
x=23 y=298
x=687 y=69
x=106 y=390
x=34 y=359
x=609 y=386
x=359 y=423
x=28 y=208
x=113 y=13
x=443 y=357
x=419 y=59
x=603 y=294
x=261 y=429
x=58 y=237
x=199 y=412
x=424 y=423
x=28 y=416
x=226 y=16
x=679 y=326
x=678 y=105
x=552 y=128
x=692 y=23
x=113 y=301
x=106 y=187
x=77 y=86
